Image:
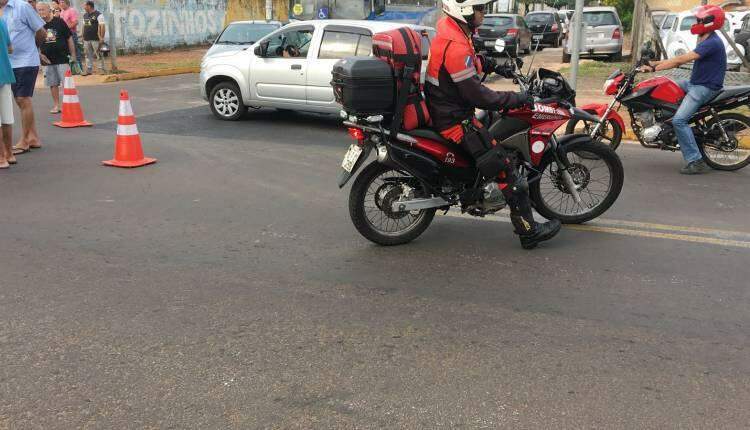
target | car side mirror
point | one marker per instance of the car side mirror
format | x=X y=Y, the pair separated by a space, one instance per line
x=261 y=49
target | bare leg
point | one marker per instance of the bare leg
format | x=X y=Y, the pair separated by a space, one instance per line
x=29 y=137
x=55 y=98
x=6 y=152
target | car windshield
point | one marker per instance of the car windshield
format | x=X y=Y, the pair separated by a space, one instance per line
x=540 y=18
x=244 y=34
x=598 y=19
x=498 y=21
x=688 y=22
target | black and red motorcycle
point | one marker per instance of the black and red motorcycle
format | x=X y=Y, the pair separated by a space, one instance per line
x=723 y=137
x=394 y=198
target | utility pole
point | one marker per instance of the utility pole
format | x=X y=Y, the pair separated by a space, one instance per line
x=637 y=29
x=577 y=32
x=269 y=10
x=112 y=36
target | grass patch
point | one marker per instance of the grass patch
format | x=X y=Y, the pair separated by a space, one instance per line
x=171 y=65
x=596 y=69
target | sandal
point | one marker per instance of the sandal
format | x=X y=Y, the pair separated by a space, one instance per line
x=17 y=150
x=4 y=165
x=54 y=111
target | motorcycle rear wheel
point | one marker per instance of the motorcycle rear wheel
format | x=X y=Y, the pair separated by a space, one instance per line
x=370 y=203
x=552 y=200
x=735 y=155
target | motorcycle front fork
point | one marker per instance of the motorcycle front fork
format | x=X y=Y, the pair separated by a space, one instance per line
x=603 y=119
x=563 y=166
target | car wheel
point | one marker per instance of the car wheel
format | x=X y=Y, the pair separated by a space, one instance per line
x=616 y=57
x=226 y=102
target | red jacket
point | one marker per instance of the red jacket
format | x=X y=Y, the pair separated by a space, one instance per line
x=452 y=85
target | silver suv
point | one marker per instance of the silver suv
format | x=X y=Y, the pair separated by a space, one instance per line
x=602 y=35
x=291 y=67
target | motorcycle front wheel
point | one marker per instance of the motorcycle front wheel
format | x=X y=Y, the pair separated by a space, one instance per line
x=371 y=206
x=728 y=155
x=610 y=133
x=598 y=174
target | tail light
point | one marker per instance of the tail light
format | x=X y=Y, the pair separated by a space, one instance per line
x=513 y=32
x=616 y=34
x=554 y=27
x=357 y=135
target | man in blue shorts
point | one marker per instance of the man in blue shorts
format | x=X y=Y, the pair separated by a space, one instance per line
x=706 y=81
x=26 y=35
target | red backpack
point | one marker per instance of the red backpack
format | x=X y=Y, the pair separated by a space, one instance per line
x=401 y=48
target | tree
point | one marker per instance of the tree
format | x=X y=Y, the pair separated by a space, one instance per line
x=625 y=9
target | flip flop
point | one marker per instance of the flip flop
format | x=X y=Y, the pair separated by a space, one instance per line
x=4 y=165
x=54 y=111
x=19 y=151
x=13 y=162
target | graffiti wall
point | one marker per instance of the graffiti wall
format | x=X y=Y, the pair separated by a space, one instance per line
x=157 y=24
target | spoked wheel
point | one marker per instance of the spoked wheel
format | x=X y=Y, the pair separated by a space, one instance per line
x=371 y=206
x=609 y=133
x=733 y=154
x=597 y=173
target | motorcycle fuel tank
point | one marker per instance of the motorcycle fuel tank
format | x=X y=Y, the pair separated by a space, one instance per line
x=666 y=90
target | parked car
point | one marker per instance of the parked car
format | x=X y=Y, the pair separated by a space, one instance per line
x=602 y=34
x=238 y=35
x=742 y=36
x=680 y=41
x=735 y=21
x=665 y=25
x=509 y=27
x=291 y=67
x=546 y=28
x=565 y=20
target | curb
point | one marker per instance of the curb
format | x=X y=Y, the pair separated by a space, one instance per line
x=153 y=74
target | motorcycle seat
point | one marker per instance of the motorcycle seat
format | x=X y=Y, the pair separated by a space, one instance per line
x=730 y=92
x=431 y=134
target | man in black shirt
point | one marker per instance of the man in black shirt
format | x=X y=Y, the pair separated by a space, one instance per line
x=93 y=36
x=56 y=51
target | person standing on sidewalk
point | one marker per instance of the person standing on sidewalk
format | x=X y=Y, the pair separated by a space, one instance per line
x=70 y=15
x=6 y=98
x=27 y=33
x=57 y=52
x=93 y=36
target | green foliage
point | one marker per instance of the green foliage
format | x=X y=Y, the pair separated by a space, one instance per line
x=624 y=9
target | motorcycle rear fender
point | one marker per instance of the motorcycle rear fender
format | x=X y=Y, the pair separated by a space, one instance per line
x=344 y=176
x=598 y=110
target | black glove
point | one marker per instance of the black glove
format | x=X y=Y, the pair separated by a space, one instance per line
x=488 y=63
x=505 y=70
x=521 y=100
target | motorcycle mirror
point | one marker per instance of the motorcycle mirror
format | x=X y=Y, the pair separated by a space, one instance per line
x=500 y=46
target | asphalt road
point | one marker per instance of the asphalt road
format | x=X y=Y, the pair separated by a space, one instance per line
x=225 y=287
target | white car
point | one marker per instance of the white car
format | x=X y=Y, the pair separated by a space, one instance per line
x=679 y=40
x=735 y=22
x=291 y=67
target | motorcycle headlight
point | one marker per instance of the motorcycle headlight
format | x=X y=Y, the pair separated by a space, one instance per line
x=607 y=83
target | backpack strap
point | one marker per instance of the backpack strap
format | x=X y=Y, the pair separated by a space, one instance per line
x=410 y=60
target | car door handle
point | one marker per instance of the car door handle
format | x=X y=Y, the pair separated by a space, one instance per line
x=296 y=66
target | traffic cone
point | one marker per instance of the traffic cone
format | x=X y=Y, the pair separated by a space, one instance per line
x=72 y=114
x=128 y=151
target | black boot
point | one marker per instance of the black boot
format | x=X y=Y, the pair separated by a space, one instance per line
x=529 y=231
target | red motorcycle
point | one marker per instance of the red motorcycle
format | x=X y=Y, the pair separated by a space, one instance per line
x=395 y=197
x=723 y=137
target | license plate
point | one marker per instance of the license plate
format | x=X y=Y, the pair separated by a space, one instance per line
x=489 y=43
x=351 y=157
x=537 y=37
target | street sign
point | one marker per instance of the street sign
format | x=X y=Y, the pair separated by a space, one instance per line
x=323 y=13
x=298 y=9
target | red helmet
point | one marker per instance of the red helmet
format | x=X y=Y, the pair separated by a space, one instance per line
x=709 y=18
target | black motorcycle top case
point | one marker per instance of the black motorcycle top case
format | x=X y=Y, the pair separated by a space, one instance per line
x=364 y=85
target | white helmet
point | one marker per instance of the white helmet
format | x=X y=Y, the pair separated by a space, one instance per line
x=460 y=9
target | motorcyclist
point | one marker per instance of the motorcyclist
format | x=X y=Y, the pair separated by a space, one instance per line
x=454 y=90
x=706 y=80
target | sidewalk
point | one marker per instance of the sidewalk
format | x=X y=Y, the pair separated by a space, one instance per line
x=184 y=60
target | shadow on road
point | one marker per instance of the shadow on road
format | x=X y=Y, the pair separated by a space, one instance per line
x=296 y=127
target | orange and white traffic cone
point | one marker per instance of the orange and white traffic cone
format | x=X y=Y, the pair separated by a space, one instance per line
x=128 y=150
x=72 y=114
